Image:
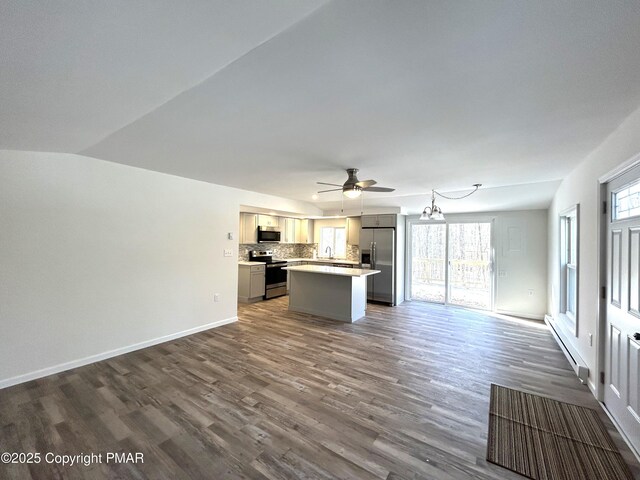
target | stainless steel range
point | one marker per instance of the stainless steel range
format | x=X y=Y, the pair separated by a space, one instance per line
x=275 y=278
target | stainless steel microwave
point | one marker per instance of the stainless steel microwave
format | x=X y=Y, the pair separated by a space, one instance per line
x=268 y=234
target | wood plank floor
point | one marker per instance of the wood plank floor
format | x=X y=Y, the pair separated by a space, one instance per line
x=401 y=394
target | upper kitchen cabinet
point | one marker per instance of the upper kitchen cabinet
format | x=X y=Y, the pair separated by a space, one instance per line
x=267 y=221
x=373 y=221
x=288 y=227
x=353 y=230
x=248 y=228
x=304 y=230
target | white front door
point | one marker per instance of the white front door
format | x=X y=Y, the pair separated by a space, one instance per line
x=622 y=338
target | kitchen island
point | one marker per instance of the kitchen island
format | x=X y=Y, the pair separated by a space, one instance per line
x=332 y=292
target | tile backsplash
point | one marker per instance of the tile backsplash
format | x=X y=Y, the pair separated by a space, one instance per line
x=291 y=250
x=280 y=250
x=353 y=253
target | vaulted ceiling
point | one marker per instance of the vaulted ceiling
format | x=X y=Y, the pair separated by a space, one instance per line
x=274 y=95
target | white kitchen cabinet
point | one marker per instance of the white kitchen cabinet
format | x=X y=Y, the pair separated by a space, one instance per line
x=251 y=283
x=288 y=227
x=248 y=228
x=373 y=221
x=353 y=230
x=304 y=230
x=257 y=285
x=267 y=221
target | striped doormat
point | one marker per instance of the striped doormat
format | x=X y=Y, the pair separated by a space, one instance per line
x=545 y=439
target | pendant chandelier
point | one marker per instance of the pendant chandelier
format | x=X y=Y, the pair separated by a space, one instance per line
x=434 y=212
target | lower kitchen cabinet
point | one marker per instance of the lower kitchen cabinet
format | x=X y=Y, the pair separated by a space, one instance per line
x=251 y=285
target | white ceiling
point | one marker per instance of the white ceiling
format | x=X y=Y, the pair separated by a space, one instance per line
x=274 y=95
x=73 y=73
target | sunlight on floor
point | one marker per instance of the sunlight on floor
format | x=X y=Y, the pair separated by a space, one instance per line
x=521 y=321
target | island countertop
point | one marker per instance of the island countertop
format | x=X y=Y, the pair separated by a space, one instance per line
x=327 y=270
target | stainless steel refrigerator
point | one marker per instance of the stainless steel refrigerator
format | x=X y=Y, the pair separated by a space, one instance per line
x=377 y=252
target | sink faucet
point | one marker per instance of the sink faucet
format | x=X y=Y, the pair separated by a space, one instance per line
x=328 y=249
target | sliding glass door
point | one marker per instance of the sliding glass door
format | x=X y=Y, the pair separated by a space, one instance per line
x=452 y=263
x=428 y=262
x=469 y=276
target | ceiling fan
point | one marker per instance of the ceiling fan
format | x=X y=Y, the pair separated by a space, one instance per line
x=353 y=187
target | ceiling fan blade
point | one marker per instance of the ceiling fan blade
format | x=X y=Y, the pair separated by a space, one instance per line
x=366 y=183
x=332 y=184
x=332 y=190
x=379 y=189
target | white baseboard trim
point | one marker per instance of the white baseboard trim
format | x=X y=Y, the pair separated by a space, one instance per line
x=521 y=315
x=110 y=354
x=592 y=387
x=573 y=357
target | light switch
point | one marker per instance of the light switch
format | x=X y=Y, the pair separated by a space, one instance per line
x=228 y=253
x=230 y=235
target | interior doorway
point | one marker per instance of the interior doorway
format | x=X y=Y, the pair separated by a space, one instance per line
x=451 y=263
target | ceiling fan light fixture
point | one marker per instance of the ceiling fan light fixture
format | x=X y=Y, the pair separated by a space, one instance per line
x=352 y=192
x=353 y=187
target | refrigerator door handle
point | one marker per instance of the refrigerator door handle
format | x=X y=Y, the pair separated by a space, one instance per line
x=375 y=259
x=373 y=256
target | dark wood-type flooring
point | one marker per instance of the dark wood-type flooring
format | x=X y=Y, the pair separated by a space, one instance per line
x=403 y=393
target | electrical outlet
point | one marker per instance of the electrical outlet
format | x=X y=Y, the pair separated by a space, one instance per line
x=530 y=292
x=216 y=297
x=502 y=273
x=591 y=340
x=228 y=252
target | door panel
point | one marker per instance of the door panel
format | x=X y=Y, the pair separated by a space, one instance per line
x=616 y=247
x=470 y=275
x=634 y=371
x=622 y=351
x=614 y=382
x=452 y=263
x=634 y=271
x=428 y=262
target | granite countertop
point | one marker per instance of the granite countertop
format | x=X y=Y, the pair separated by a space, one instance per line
x=241 y=262
x=327 y=270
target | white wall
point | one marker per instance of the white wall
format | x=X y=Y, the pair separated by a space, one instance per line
x=581 y=187
x=97 y=258
x=521 y=262
x=520 y=242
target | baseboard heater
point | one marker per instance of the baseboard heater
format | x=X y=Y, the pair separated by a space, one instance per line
x=578 y=365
